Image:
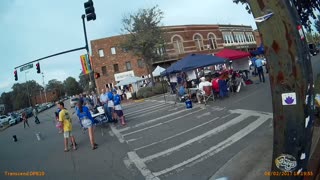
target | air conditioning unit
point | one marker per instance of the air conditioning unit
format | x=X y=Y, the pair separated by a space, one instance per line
x=208 y=46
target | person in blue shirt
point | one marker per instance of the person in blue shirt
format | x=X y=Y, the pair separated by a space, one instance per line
x=87 y=121
x=253 y=63
x=259 y=65
x=117 y=108
x=111 y=106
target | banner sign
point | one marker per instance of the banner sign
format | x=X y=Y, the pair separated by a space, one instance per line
x=85 y=63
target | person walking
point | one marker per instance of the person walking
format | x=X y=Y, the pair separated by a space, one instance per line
x=259 y=65
x=111 y=106
x=86 y=121
x=35 y=114
x=65 y=119
x=25 y=119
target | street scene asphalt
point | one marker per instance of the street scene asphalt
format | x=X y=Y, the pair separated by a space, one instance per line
x=229 y=138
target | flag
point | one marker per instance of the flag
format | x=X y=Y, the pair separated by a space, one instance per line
x=88 y=60
x=84 y=64
x=264 y=18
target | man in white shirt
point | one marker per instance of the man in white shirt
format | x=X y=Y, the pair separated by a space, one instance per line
x=201 y=92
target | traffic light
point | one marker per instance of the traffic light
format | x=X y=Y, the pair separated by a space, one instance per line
x=15 y=75
x=96 y=75
x=38 y=68
x=89 y=9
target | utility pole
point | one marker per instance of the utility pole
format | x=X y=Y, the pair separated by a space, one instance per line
x=44 y=86
x=291 y=83
x=87 y=47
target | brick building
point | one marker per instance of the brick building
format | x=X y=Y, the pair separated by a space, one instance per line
x=50 y=96
x=114 y=63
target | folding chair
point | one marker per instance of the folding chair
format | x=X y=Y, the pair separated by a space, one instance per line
x=208 y=94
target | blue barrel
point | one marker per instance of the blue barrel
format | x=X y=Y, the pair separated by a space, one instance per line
x=188 y=104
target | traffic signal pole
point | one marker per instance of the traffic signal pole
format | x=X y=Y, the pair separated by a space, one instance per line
x=291 y=82
x=87 y=46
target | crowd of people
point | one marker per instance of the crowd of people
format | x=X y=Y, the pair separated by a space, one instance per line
x=86 y=107
x=222 y=82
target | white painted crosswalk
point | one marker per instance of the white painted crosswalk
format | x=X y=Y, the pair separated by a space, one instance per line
x=156 y=131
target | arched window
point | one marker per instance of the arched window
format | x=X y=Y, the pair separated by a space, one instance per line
x=198 y=41
x=212 y=41
x=178 y=44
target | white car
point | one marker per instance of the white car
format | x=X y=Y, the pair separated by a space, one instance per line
x=4 y=119
x=15 y=119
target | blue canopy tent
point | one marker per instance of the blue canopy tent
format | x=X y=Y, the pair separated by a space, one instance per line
x=259 y=51
x=192 y=62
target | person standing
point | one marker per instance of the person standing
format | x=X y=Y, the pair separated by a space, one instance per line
x=259 y=65
x=65 y=119
x=35 y=114
x=104 y=101
x=25 y=119
x=86 y=121
x=201 y=92
x=111 y=106
x=118 y=109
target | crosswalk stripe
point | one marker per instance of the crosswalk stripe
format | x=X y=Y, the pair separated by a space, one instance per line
x=219 y=147
x=183 y=132
x=159 y=124
x=146 y=109
x=203 y=136
x=150 y=112
x=154 y=120
x=141 y=166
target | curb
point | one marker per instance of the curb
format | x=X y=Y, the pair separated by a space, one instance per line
x=4 y=128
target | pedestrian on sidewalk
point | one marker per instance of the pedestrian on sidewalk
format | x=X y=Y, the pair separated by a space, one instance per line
x=25 y=119
x=86 y=121
x=65 y=119
x=259 y=65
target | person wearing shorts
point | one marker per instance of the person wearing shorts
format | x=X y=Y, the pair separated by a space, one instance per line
x=117 y=108
x=86 y=121
x=65 y=119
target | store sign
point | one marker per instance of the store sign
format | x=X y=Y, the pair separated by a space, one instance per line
x=121 y=76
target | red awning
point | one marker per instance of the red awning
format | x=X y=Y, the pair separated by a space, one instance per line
x=232 y=54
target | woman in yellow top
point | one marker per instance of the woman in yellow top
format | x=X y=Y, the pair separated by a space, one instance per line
x=65 y=119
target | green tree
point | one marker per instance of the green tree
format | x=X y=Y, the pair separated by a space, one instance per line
x=7 y=100
x=85 y=80
x=71 y=86
x=145 y=36
x=55 y=85
x=22 y=94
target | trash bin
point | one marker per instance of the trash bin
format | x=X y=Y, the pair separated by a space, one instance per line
x=188 y=104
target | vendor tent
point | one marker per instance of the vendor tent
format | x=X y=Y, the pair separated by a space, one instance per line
x=192 y=62
x=232 y=54
x=129 y=80
x=157 y=71
x=259 y=51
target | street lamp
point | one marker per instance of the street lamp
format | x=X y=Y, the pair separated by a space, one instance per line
x=44 y=86
x=27 y=88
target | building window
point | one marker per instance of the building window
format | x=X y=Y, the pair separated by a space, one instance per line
x=178 y=44
x=113 y=50
x=228 y=38
x=101 y=53
x=128 y=66
x=116 y=67
x=104 y=70
x=199 y=42
x=125 y=50
x=140 y=63
x=212 y=41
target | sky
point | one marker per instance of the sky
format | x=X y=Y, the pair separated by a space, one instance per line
x=34 y=29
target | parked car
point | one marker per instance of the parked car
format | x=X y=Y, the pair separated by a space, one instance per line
x=29 y=112
x=15 y=119
x=50 y=105
x=313 y=49
x=41 y=108
x=4 y=119
x=73 y=102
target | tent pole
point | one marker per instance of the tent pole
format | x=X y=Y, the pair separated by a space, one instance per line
x=164 y=93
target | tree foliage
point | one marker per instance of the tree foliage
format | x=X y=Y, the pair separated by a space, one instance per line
x=71 y=86
x=84 y=82
x=313 y=37
x=305 y=9
x=55 y=85
x=145 y=36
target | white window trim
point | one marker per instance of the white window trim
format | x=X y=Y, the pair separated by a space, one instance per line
x=101 y=53
x=113 y=52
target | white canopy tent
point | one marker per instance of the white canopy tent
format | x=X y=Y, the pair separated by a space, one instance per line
x=131 y=80
x=157 y=71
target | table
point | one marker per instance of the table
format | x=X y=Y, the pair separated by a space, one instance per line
x=101 y=121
